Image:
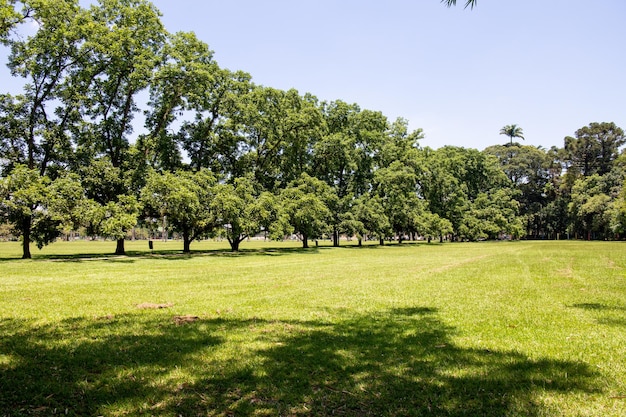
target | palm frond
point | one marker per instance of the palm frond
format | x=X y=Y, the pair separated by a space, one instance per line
x=469 y=3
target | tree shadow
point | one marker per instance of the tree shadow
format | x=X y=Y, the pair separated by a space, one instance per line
x=611 y=315
x=598 y=307
x=168 y=254
x=397 y=362
x=401 y=362
x=78 y=365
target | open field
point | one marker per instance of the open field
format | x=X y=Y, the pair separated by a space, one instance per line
x=496 y=329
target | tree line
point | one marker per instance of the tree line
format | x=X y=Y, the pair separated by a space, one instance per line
x=221 y=155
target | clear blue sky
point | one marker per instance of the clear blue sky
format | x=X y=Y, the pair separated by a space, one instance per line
x=549 y=66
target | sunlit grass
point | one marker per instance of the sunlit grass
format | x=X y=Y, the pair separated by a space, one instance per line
x=508 y=328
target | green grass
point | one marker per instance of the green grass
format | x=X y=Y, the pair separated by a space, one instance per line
x=495 y=329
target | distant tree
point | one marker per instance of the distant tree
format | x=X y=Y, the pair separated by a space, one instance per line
x=242 y=212
x=184 y=200
x=396 y=186
x=369 y=211
x=589 y=207
x=306 y=201
x=530 y=169
x=594 y=148
x=512 y=131
x=492 y=214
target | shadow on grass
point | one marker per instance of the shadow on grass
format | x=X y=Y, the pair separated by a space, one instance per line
x=399 y=362
x=598 y=307
x=177 y=254
x=605 y=313
x=169 y=254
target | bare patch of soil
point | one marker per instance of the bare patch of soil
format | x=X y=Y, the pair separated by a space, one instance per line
x=153 y=306
x=180 y=320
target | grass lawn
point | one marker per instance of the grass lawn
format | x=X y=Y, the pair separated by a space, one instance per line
x=493 y=329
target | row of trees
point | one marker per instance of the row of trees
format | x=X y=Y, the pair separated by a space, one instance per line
x=222 y=155
x=576 y=190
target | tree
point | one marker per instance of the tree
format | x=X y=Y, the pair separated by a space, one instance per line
x=594 y=148
x=184 y=200
x=121 y=54
x=67 y=203
x=492 y=214
x=530 y=170
x=512 y=131
x=369 y=211
x=190 y=82
x=35 y=125
x=23 y=193
x=305 y=202
x=589 y=207
x=396 y=187
x=275 y=131
x=243 y=213
x=111 y=211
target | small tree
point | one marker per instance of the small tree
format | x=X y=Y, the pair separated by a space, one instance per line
x=512 y=131
x=305 y=202
x=185 y=199
x=242 y=213
x=23 y=194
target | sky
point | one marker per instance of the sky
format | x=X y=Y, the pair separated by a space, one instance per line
x=459 y=74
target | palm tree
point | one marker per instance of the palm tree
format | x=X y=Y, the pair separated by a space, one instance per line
x=512 y=131
x=470 y=3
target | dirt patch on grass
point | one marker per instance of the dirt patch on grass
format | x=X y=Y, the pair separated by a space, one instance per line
x=180 y=320
x=153 y=306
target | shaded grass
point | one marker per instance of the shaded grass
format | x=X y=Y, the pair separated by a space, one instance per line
x=524 y=328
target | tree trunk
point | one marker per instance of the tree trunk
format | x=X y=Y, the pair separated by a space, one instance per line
x=381 y=241
x=335 y=238
x=360 y=241
x=119 y=250
x=186 y=242
x=26 y=226
x=234 y=244
x=305 y=241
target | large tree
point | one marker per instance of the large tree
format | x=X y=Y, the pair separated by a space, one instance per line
x=35 y=126
x=121 y=55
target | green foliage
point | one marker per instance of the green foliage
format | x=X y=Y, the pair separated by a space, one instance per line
x=183 y=200
x=286 y=163
x=512 y=131
x=594 y=148
x=306 y=204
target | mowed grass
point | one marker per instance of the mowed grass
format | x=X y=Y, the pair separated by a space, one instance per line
x=495 y=329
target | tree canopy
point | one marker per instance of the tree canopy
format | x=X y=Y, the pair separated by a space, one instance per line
x=221 y=156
